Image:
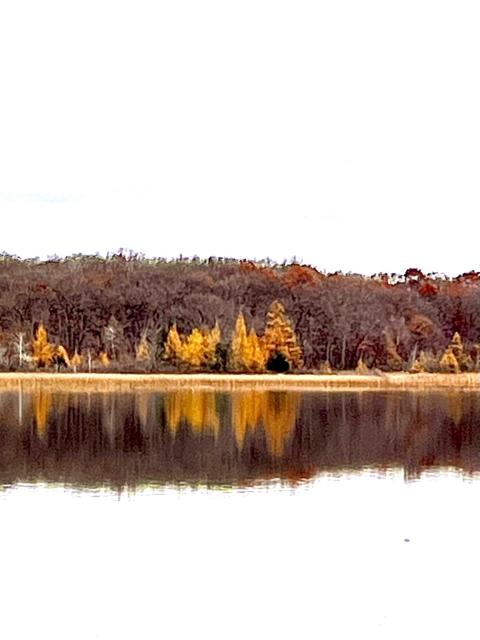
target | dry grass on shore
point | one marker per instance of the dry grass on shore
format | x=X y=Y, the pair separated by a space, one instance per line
x=110 y=382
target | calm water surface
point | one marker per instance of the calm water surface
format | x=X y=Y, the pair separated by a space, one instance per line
x=245 y=515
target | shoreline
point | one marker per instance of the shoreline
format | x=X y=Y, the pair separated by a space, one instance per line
x=99 y=382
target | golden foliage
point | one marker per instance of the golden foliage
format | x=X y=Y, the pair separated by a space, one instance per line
x=247 y=350
x=197 y=408
x=239 y=342
x=143 y=350
x=76 y=360
x=173 y=345
x=421 y=364
x=193 y=351
x=280 y=337
x=197 y=350
x=104 y=359
x=448 y=362
x=62 y=352
x=43 y=351
x=256 y=352
x=210 y=341
x=465 y=362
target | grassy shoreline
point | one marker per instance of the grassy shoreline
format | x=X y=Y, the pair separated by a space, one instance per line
x=99 y=382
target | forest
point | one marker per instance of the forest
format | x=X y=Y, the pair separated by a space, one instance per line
x=126 y=312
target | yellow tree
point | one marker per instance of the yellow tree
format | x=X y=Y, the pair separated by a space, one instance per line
x=465 y=362
x=143 y=349
x=193 y=351
x=76 y=361
x=256 y=353
x=43 y=351
x=280 y=338
x=239 y=344
x=448 y=362
x=173 y=345
x=198 y=349
x=42 y=406
x=62 y=354
x=211 y=340
x=104 y=359
x=247 y=352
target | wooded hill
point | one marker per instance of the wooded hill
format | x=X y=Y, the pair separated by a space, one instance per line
x=129 y=313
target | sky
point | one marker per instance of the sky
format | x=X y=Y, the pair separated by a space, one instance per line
x=344 y=134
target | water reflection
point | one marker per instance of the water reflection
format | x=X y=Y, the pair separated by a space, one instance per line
x=97 y=439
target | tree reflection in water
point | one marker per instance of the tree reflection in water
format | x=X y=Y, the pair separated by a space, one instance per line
x=137 y=439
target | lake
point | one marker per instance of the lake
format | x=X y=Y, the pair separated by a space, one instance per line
x=254 y=514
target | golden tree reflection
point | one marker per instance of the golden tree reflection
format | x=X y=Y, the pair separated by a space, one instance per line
x=275 y=411
x=41 y=406
x=197 y=408
x=455 y=406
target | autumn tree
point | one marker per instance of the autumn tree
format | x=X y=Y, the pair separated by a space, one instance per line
x=173 y=345
x=279 y=338
x=255 y=352
x=143 y=352
x=448 y=362
x=239 y=343
x=196 y=350
x=76 y=361
x=211 y=339
x=465 y=362
x=193 y=349
x=43 y=350
x=247 y=350
x=426 y=362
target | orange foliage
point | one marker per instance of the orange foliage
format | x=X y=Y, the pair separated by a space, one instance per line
x=296 y=275
x=428 y=290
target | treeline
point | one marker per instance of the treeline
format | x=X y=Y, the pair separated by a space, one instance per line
x=126 y=312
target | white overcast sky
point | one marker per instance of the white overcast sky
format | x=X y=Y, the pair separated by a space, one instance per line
x=343 y=132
